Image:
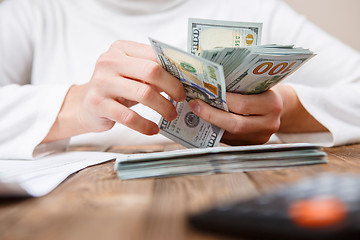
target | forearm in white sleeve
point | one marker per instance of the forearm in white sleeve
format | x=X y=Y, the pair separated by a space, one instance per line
x=328 y=86
x=27 y=114
x=336 y=107
x=27 y=111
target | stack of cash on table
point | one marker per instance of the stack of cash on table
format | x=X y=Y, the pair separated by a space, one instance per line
x=222 y=57
x=199 y=161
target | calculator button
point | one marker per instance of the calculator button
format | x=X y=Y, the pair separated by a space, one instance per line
x=318 y=212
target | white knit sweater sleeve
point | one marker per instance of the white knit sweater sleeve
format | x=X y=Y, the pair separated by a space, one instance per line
x=27 y=111
x=328 y=86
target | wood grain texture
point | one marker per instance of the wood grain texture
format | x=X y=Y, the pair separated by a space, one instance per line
x=95 y=204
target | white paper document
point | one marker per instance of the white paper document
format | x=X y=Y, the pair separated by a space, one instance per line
x=39 y=176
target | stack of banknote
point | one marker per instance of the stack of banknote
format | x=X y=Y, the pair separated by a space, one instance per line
x=200 y=161
x=255 y=69
x=222 y=57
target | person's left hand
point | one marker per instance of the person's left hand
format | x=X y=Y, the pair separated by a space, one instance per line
x=252 y=118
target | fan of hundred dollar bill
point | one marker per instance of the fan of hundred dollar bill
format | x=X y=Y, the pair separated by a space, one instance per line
x=222 y=57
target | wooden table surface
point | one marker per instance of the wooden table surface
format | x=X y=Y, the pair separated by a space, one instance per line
x=95 y=204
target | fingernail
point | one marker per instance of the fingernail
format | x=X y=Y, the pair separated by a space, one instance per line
x=183 y=96
x=173 y=115
x=155 y=130
x=195 y=107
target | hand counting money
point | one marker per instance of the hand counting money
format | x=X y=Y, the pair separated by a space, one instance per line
x=201 y=79
x=223 y=57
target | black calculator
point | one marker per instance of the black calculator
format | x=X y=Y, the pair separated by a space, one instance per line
x=326 y=206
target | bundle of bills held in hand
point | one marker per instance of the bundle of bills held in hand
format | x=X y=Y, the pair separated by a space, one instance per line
x=222 y=57
x=200 y=161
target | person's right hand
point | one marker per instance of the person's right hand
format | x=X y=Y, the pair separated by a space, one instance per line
x=127 y=74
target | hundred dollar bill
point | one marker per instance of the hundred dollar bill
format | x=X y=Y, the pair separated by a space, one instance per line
x=208 y=34
x=265 y=67
x=203 y=80
x=252 y=70
x=264 y=72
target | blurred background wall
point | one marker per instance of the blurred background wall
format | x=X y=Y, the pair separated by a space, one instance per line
x=340 y=18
